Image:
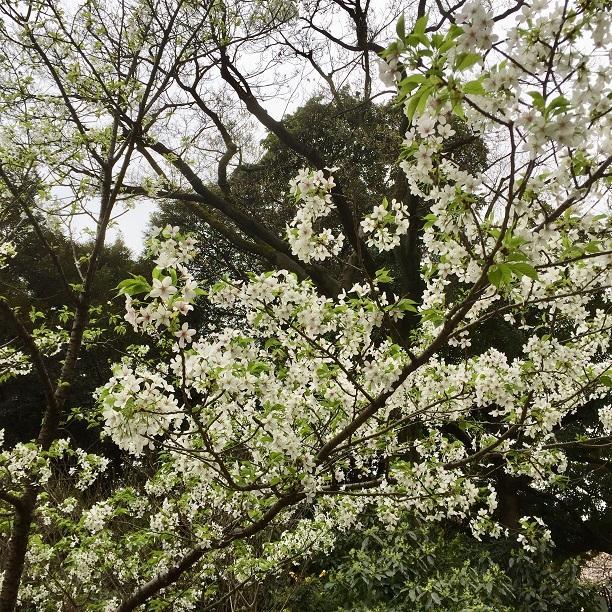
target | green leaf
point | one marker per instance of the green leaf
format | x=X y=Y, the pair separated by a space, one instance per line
x=400 y=27
x=411 y=106
x=430 y=219
x=506 y=272
x=133 y=286
x=271 y=342
x=474 y=88
x=420 y=25
x=36 y=314
x=406 y=305
x=454 y=31
x=414 y=39
x=538 y=100
x=413 y=78
x=592 y=247
x=516 y=256
x=495 y=276
x=405 y=90
x=432 y=314
x=522 y=268
x=458 y=110
x=449 y=43
x=466 y=60
x=606 y=380
x=391 y=50
x=383 y=276
x=420 y=107
x=256 y=367
x=559 y=104
x=438 y=41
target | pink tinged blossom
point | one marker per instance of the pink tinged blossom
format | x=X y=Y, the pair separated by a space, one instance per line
x=184 y=335
x=183 y=307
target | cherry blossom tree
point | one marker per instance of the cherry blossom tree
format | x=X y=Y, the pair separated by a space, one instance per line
x=330 y=398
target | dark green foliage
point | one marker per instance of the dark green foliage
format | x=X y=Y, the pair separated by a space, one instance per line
x=362 y=139
x=417 y=567
x=35 y=284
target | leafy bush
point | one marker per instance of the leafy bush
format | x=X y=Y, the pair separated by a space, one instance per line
x=417 y=567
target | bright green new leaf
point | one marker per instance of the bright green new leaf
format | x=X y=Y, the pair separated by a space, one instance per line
x=466 y=60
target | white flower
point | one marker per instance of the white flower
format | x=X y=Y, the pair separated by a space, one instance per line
x=95 y=517
x=388 y=72
x=605 y=416
x=162 y=316
x=189 y=289
x=183 y=307
x=445 y=130
x=313 y=190
x=145 y=316
x=184 y=335
x=426 y=126
x=163 y=289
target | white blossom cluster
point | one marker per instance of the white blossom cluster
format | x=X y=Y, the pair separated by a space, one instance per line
x=172 y=287
x=312 y=189
x=23 y=464
x=95 y=518
x=386 y=224
x=605 y=416
x=13 y=363
x=138 y=404
x=388 y=71
x=477 y=25
x=533 y=536
x=513 y=104
x=7 y=250
x=169 y=248
x=88 y=468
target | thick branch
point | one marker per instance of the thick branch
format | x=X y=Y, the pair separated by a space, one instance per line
x=244 y=221
x=239 y=85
